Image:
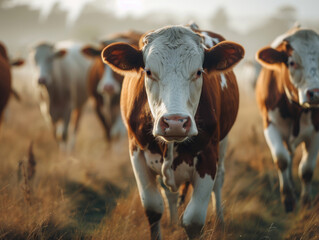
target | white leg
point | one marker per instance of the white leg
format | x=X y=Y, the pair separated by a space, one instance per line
x=307 y=166
x=219 y=180
x=282 y=160
x=196 y=210
x=151 y=198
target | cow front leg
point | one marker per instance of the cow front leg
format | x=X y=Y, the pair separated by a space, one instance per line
x=282 y=159
x=151 y=198
x=98 y=110
x=195 y=213
x=76 y=120
x=219 y=181
x=66 y=121
x=307 y=166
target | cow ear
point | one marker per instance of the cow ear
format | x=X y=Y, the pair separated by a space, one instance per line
x=223 y=57
x=123 y=58
x=17 y=62
x=271 y=58
x=3 y=51
x=60 y=53
x=91 y=51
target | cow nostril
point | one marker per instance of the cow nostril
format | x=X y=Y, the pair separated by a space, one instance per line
x=310 y=95
x=41 y=81
x=164 y=123
x=187 y=123
x=109 y=88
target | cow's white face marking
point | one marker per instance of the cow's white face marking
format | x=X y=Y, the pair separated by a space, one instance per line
x=44 y=55
x=173 y=73
x=303 y=64
x=108 y=82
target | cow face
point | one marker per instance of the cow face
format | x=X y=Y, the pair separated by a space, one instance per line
x=110 y=83
x=44 y=56
x=301 y=59
x=174 y=61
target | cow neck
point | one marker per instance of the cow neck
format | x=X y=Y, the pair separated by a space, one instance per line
x=289 y=106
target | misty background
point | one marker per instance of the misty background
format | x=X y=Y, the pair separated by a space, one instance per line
x=25 y=22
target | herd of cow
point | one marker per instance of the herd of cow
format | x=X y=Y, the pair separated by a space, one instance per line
x=176 y=94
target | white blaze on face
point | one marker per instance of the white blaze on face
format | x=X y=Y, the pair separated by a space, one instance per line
x=303 y=64
x=173 y=63
x=44 y=55
x=108 y=83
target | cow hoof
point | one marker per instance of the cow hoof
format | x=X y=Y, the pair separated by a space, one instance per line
x=193 y=231
x=306 y=201
x=289 y=204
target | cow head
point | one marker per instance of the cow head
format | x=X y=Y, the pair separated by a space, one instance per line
x=300 y=57
x=109 y=82
x=174 y=61
x=44 y=56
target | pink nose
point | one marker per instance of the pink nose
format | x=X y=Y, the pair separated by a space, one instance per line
x=175 y=125
x=109 y=89
x=41 y=80
x=313 y=95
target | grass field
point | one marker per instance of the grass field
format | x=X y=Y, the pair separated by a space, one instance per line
x=91 y=193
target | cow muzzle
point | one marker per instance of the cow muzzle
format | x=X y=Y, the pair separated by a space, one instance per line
x=107 y=88
x=42 y=81
x=312 y=98
x=175 y=128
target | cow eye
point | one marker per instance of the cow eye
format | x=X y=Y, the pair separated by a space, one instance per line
x=199 y=73
x=148 y=72
x=292 y=64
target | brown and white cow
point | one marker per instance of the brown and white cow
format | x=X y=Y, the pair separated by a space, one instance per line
x=179 y=100
x=63 y=73
x=5 y=78
x=288 y=97
x=105 y=85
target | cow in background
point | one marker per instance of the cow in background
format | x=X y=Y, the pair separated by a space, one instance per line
x=5 y=78
x=105 y=85
x=287 y=94
x=63 y=73
x=179 y=101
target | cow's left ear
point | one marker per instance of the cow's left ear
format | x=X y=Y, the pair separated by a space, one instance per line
x=91 y=51
x=122 y=57
x=271 y=58
x=223 y=57
x=60 y=53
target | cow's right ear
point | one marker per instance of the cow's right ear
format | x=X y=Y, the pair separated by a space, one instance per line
x=271 y=58
x=60 y=53
x=123 y=58
x=91 y=51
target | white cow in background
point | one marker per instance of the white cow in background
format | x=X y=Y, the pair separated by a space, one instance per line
x=63 y=73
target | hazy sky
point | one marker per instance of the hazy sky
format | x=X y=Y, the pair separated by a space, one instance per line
x=240 y=11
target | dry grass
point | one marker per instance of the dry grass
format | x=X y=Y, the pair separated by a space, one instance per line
x=91 y=193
